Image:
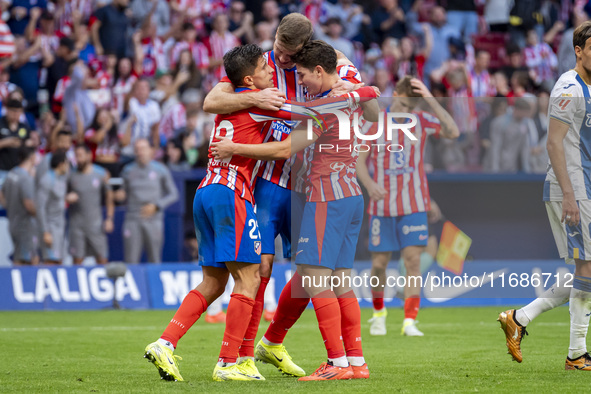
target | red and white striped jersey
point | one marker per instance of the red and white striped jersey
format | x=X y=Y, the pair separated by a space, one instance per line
x=198 y=50
x=250 y=126
x=58 y=94
x=217 y=46
x=331 y=162
x=541 y=60
x=300 y=165
x=173 y=119
x=286 y=80
x=481 y=84
x=154 y=56
x=402 y=173
x=121 y=87
x=6 y=41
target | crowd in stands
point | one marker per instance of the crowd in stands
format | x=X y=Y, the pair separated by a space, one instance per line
x=111 y=72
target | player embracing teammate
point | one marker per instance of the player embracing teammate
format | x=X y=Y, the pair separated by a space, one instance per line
x=332 y=215
x=279 y=196
x=226 y=225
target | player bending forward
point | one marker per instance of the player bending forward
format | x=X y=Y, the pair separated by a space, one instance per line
x=400 y=198
x=226 y=226
x=332 y=216
x=567 y=193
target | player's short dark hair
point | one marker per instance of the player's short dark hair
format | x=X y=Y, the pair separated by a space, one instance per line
x=317 y=53
x=25 y=153
x=581 y=34
x=83 y=146
x=241 y=61
x=403 y=87
x=57 y=158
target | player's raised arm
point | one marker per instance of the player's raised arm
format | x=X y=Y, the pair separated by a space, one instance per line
x=449 y=128
x=223 y=100
x=557 y=131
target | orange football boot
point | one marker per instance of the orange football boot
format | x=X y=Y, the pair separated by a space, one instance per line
x=582 y=363
x=268 y=315
x=217 y=318
x=327 y=371
x=514 y=333
x=361 y=372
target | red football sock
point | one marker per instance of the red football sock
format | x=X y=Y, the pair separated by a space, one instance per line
x=351 y=324
x=188 y=313
x=247 y=347
x=411 y=307
x=237 y=318
x=328 y=313
x=292 y=303
x=378 y=299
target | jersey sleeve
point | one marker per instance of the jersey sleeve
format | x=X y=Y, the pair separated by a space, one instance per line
x=349 y=73
x=293 y=110
x=430 y=123
x=564 y=100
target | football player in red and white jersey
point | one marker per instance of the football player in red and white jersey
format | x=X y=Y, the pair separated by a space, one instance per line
x=226 y=225
x=273 y=192
x=331 y=218
x=400 y=195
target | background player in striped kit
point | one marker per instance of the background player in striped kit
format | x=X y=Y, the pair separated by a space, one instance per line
x=87 y=185
x=400 y=197
x=50 y=200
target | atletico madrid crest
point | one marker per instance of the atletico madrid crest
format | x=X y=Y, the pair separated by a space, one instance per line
x=257 y=247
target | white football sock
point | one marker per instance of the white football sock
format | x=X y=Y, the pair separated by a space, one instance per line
x=550 y=299
x=339 y=362
x=356 y=361
x=166 y=343
x=580 y=310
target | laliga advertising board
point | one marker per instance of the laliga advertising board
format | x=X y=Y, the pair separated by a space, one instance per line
x=32 y=288
x=164 y=286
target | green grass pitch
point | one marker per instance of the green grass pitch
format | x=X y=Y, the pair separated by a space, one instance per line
x=463 y=350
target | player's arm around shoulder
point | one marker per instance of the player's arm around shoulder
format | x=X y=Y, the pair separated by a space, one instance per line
x=449 y=128
x=223 y=100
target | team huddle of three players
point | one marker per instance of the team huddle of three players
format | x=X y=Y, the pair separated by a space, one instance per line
x=297 y=181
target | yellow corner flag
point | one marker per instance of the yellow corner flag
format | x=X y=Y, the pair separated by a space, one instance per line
x=453 y=248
